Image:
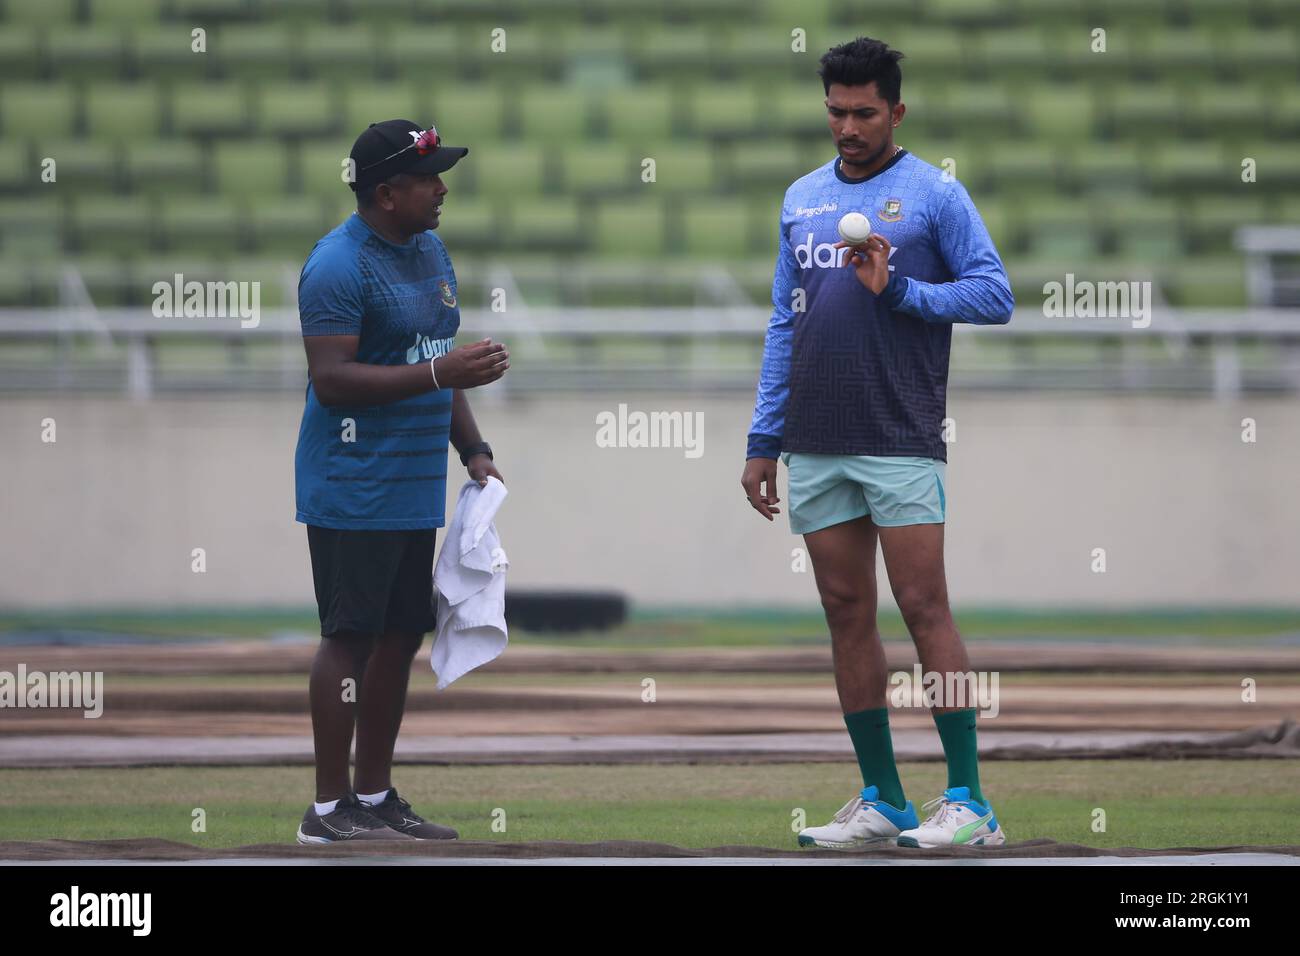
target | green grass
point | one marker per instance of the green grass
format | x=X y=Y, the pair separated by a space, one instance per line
x=695 y=628
x=1151 y=804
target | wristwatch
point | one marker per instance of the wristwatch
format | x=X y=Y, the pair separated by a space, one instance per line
x=479 y=448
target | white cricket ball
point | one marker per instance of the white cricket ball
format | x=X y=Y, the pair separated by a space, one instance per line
x=854 y=228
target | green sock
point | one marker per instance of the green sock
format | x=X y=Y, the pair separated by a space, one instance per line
x=869 y=731
x=957 y=733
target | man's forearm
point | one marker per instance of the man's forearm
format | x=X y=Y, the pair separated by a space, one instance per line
x=464 y=430
x=356 y=383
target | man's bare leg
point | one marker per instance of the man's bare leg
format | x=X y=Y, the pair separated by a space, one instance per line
x=914 y=561
x=333 y=712
x=844 y=564
x=382 y=704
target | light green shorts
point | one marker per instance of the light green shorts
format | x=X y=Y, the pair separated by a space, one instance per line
x=831 y=489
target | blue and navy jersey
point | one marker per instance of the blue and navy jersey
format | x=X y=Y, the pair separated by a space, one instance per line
x=381 y=467
x=846 y=371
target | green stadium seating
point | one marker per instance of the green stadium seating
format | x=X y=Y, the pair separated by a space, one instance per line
x=681 y=166
x=300 y=109
x=596 y=169
x=467 y=115
x=552 y=225
x=28 y=109
x=86 y=53
x=108 y=13
x=112 y=223
x=166 y=53
x=81 y=165
x=556 y=113
x=367 y=103
x=719 y=228
x=213 y=224
x=18 y=171
x=164 y=166
x=211 y=109
x=640 y=114
x=354 y=50
x=724 y=111
x=287 y=227
x=514 y=169
x=1129 y=158
x=630 y=228
x=472 y=224
x=121 y=111
x=320 y=167
x=253 y=168
x=254 y=51
x=31 y=225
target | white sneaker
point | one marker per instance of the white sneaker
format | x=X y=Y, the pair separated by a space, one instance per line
x=957 y=821
x=863 y=821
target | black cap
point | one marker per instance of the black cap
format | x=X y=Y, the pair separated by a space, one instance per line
x=391 y=147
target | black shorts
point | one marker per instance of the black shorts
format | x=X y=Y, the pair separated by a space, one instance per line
x=373 y=582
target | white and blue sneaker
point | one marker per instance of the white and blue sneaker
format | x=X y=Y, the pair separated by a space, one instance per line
x=863 y=821
x=957 y=821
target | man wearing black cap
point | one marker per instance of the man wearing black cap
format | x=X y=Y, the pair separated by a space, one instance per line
x=385 y=393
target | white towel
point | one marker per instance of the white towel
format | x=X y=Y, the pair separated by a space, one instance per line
x=470 y=577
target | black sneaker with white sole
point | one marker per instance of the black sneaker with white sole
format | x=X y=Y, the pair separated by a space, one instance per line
x=349 y=820
x=398 y=815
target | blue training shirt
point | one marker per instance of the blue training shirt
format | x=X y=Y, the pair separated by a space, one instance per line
x=850 y=372
x=380 y=467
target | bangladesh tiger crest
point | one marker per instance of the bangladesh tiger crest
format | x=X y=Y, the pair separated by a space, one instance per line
x=892 y=211
x=444 y=291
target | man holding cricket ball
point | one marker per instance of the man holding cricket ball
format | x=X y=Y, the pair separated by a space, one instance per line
x=852 y=397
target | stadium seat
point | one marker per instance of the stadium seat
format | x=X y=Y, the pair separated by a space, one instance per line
x=553 y=225
x=20 y=52
x=767 y=170
x=287 y=227
x=1212 y=220
x=630 y=228
x=635 y=114
x=300 y=109
x=467 y=115
x=254 y=51
x=469 y=224
x=164 y=166
x=319 y=167
x=212 y=224
x=555 y=113
x=661 y=52
x=596 y=169
x=1062 y=114
x=368 y=103
x=51 y=12
x=81 y=165
x=212 y=109
x=166 y=53
x=1058 y=229
x=31 y=225
x=1143 y=228
x=28 y=109
x=255 y=168
x=112 y=12
x=123 y=111
x=724 y=111
x=681 y=166
x=18 y=171
x=719 y=229
x=91 y=53
x=1022 y=167
x=513 y=169
x=112 y=223
x=356 y=49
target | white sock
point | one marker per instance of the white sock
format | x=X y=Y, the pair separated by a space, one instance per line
x=326 y=807
x=373 y=799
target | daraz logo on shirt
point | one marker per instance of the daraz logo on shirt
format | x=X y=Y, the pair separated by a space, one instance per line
x=824 y=255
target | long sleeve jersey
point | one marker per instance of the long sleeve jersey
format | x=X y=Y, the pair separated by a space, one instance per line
x=846 y=371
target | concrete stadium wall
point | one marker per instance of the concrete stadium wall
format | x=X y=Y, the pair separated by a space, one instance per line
x=1188 y=513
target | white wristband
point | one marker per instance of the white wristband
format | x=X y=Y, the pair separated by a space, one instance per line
x=434 y=374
